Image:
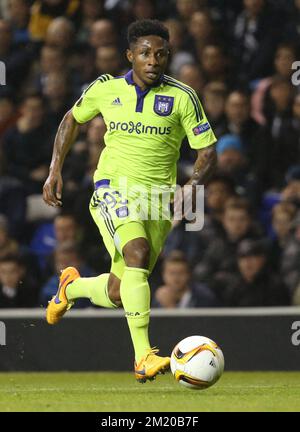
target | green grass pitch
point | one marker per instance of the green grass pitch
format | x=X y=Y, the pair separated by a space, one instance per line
x=107 y=391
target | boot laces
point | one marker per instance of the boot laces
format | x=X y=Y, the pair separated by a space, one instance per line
x=152 y=351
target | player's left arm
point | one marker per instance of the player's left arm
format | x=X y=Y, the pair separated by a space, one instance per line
x=204 y=166
x=201 y=138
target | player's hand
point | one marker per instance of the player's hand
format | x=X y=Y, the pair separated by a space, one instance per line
x=52 y=189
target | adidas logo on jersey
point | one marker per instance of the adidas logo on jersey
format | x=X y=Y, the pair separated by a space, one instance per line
x=117 y=101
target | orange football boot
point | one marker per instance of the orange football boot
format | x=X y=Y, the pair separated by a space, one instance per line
x=150 y=365
x=59 y=304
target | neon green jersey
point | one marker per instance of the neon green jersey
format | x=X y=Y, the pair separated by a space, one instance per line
x=144 y=128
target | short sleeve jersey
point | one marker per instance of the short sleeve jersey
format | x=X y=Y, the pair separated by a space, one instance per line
x=144 y=128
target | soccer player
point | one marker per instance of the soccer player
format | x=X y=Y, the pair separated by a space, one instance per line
x=147 y=114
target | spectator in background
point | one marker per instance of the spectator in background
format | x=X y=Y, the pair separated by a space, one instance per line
x=291 y=190
x=202 y=30
x=91 y=11
x=17 y=61
x=292 y=26
x=26 y=148
x=16 y=288
x=230 y=154
x=8 y=246
x=214 y=63
x=13 y=205
x=278 y=142
x=238 y=223
x=214 y=98
x=218 y=190
x=186 y=8
x=52 y=60
x=143 y=9
x=61 y=34
x=290 y=269
x=8 y=113
x=19 y=13
x=233 y=162
x=256 y=34
x=278 y=100
x=283 y=215
x=66 y=228
x=178 y=290
x=43 y=12
x=4 y=8
x=102 y=33
x=66 y=255
x=239 y=122
x=289 y=193
x=58 y=97
x=285 y=56
x=108 y=60
x=49 y=235
x=179 y=53
x=194 y=244
x=254 y=283
x=191 y=75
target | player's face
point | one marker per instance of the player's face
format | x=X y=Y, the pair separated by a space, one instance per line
x=149 y=57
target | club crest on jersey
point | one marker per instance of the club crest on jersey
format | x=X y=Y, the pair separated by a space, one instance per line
x=163 y=105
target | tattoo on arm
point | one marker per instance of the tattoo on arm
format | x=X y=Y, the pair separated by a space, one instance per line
x=204 y=166
x=66 y=135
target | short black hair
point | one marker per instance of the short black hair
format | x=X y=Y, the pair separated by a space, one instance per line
x=12 y=258
x=146 y=27
x=225 y=179
x=176 y=256
x=33 y=94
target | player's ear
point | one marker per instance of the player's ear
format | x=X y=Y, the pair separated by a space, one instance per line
x=129 y=55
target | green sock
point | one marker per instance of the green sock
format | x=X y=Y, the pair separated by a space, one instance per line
x=135 y=296
x=94 y=288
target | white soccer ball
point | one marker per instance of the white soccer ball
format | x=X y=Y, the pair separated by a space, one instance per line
x=197 y=362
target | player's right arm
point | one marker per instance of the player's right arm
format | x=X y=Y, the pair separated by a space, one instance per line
x=85 y=109
x=66 y=134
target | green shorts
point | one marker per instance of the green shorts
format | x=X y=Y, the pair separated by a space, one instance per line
x=118 y=223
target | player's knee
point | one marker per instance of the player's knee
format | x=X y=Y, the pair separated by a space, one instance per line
x=137 y=253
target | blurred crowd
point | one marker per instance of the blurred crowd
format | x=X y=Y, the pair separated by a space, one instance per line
x=238 y=55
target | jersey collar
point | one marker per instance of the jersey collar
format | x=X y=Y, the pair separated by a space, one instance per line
x=129 y=79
